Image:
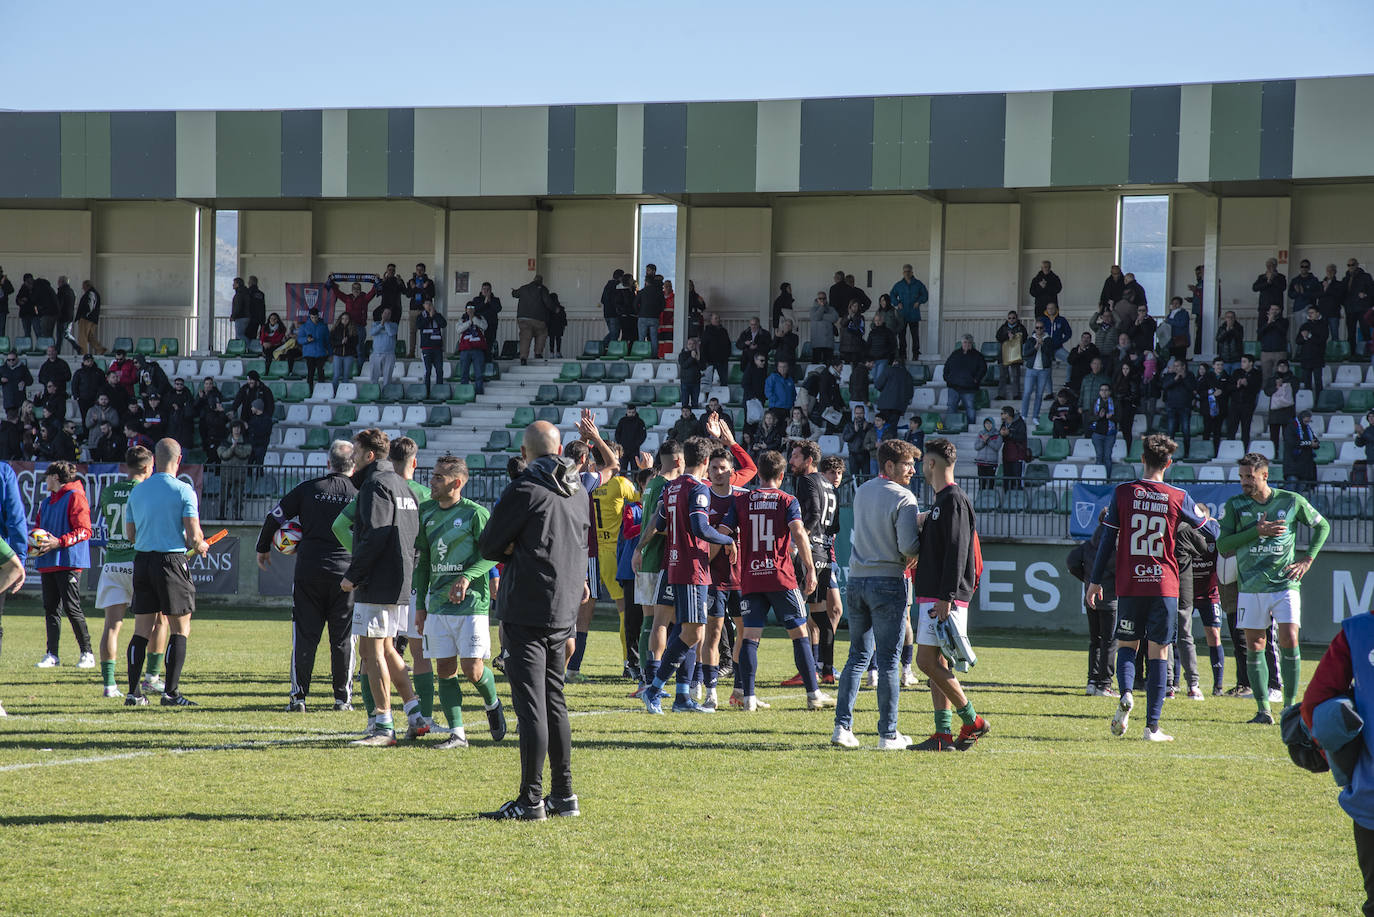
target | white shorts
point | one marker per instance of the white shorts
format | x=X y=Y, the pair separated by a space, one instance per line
x=461 y=636
x=1254 y=610
x=116 y=585
x=646 y=588
x=925 y=622
x=406 y=628
x=371 y=620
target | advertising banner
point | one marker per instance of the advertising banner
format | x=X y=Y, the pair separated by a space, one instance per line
x=217 y=573
x=1090 y=499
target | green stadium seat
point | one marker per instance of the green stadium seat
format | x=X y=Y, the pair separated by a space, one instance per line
x=571 y=373
x=316 y=438
x=981 y=401
x=440 y=415
x=1201 y=452
x=195 y=456
x=1359 y=401
x=277 y=370
x=236 y=347
x=1195 y=424
x=668 y=395
x=147 y=347
x=344 y=415
x=127 y=345
x=1043 y=500
x=618 y=350
x=1182 y=474
x=296 y=392
x=421 y=438
x=392 y=393
x=930 y=423
x=1056 y=450
x=1014 y=501
x=413 y=393
x=547 y=394
x=992 y=376
x=278 y=389
x=1326 y=452
x=498 y=441
x=23 y=344
x=278 y=412
x=5 y=343
x=521 y=419
x=649 y=415
x=368 y=393
x=491 y=372
x=737 y=417
x=1330 y=401
x=476 y=461
x=257 y=366
x=439 y=392
x=228 y=389
x=985 y=501
x=736 y=396
x=254 y=348
x=1037 y=446
x=1337 y=351
x=1044 y=428
x=41 y=345
x=1036 y=473
x=1137 y=446
x=1123 y=471
x=549 y=415
x=594 y=372
x=170 y=347
x=736 y=374
x=954 y=424
x=643 y=394
x=592 y=350
x=920 y=374
x=400 y=347
x=990 y=350
x=569 y=394
x=463 y=393
x=639 y=350
x=617 y=372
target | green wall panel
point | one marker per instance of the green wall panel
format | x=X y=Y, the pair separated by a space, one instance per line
x=1235 y=153
x=367 y=162
x=248 y=154
x=901 y=143
x=448 y=151
x=86 y=154
x=1092 y=137
x=594 y=154
x=721 y=146
x=515 y=150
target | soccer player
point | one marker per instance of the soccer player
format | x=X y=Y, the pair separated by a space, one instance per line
x=819 y=511
x=116 y=586
x=769 y=523
x=683 y=513
x=596 y=464
x=1258 y=526
x=631 y=522
x=943 y=582
x=451 y=598
x=14 y=532
x=1198 y=590
x=651 y=588
x=61 y=557
x=1142 y=519
x=11 y=578
x=832 y=468
x=608 y=507
x=723 y=598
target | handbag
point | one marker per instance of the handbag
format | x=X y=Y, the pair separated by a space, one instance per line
x=1282 y=397
x=1011 y=350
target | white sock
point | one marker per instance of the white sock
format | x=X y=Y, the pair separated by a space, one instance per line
x=412 y=707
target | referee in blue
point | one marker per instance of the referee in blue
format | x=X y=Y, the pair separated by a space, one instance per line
x=162 y=519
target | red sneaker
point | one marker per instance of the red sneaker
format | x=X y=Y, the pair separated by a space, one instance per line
x=940 y=741
x=796 y=681
x=828 y=678
x=970 y=734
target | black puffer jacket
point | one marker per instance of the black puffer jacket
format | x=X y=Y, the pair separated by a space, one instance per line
x=384 y=536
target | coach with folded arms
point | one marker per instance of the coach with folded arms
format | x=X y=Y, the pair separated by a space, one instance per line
x=539 y=529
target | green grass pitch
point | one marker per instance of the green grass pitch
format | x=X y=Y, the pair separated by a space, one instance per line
x=237 y=807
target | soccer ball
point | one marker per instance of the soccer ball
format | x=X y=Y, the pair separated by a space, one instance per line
x=1226 y=569
x=38 y=537
x=287 y=537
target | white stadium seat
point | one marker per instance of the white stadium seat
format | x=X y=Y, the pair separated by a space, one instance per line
x=415 y=415
x=293 y=460
x=651 y=442
x=294 y=438
x=369 y=415
x=1094 y=473
x=1350 y=453
x=297 y=413
x=211 y=368
x=345 y=393
x=1333 y=474
x=187 y=370
x=392 y=415
x=1318 y=424
x=923 y=400
x=1233 y=473
x=232 y=369
x=1264 y=447
x=570 y=436
x=317 y=460
x=1303 y=401
x=415 y=371
x=1119 y=449
x=721 y=392
x=666 y=372
x=643 y=372
x=271 y=460
x=596 y=394
x=1340 y=425
x=1348 y=375
x=1063 y=471
x=571 y=416
x=1231 y=450
x=1083 y=450
x=168 y=366
x=620 y=396
x=937 y=375
x=830 y=445
x=1212 y=472
x=323 y=394
x=320 y=415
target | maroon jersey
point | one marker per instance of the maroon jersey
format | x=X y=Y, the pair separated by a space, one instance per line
x=724 y=575
x=763 y=518
x=1145 y=515
x=1205 y=585
x=687 y=555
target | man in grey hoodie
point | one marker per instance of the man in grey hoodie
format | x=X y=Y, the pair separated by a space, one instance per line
x=539 y=530
x=884 y=542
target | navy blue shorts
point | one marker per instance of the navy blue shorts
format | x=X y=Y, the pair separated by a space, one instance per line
x=665 y=591
x=1210 y=612
x=690 y=602
x=1146 y=617
x=786 y=605
x=722 y=603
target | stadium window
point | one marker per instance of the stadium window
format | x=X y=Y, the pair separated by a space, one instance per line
x=1142 y=244
x=226 y=266
x=656 y=239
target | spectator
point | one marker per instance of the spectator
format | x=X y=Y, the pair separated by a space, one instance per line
x=87 y=318
x=1143 y=331
x=1038 y=352
x=687 y=426
x=1132 y=298
x=1126 y=389
x=344 y=342
x=252 y=390
x=895 y=391
x=1113 y=288
x=610 y=307
x=558 y=323
x=829 y=397
x=824 y=321
x=66 y=313
x=1178 y=320
x=487 y=307
x=892 y=320
x=429 y=325
x=1364 y=437
x=119 y=396
x=1045 y=288
x=54 y=369
x=355 y=307
x=1103 y=421
x=15 y=378
x=1212 y=396
x=383 y=334
x=755 y=374
x=151 y=376
x=696 y=310
x=1282 y=389
x=1245 y=385
x=631 y=432
x=1011 y=336
x=1179 y=391
x=25 y=303
x=179 y=414
x=87 y=383
x=861 y=437
x=1304 y=288
x=1015 y=451
x=1359 y=292
x=1088 y=386
x=908 y=295
x=689 y=373
x=1273 y=340
x=532 y=315
x=472 y=346
x=629 y=319
x=213 y=421
x=1058 y=330
x=840 y=294
x=987 y=454
x=6 y=291
x=1103 y=327
x=152 y=418
x=239 y=310
x=1080 y=360
x=101 y=412
x=1230 y=341
x=856 y=294
x=236 y=450
x=780 y=392
x=1195 y=302
x=964 y=371
x=135 y=436
x=853 y=339
x=1330 y=298
x=272 y=336
x=314 y=339
x=393 y=296
x=782 y=305
x=259 y=430
x=1300 y=443
x=105 y=444
x=882 y=345
x=769 y=436
x=257 y=309
x=753 y=340
x=713 y=409
x=786 y=343
x=53 y=401
x=799 y=428
x=1312 y=349
x=715 y=349
x=649 y=304
x=420 y=292
x=45 y=306
x=1271 y=285
x=1065 y=418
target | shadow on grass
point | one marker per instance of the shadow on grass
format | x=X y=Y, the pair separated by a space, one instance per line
x=320 y=817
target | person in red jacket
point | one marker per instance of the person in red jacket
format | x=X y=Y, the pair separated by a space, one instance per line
x=355 y=304
x=61 y=555
x=128 y=372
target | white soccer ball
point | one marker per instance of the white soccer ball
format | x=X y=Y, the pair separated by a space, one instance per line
x=1226 y=569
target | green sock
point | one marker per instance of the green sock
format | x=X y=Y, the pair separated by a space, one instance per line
x=107 y=672
x=451 y=701
x=486 y=686
x=944 y=722
x=1258 y=667
x=424 y=691
x=644 y=632
x=1290 y=666
x=967 y=716
x=368 y=703
x=154 y=664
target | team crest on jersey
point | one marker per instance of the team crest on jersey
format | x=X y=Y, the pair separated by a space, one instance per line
x=934 y=513
x=440 y=551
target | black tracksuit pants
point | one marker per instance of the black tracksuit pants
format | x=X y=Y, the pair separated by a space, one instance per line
x=535 y=672
x=1364 y=852
x=1101 y=643
x=317 y=605
x=62 y=597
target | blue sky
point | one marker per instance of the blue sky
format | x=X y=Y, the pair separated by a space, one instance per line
x=254 y=54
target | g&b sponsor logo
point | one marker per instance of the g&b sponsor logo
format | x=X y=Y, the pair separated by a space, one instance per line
x=1149 y=571
x=761 y=565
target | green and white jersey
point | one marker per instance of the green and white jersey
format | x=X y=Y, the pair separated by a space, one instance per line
x=1260 y=562
x=653 y=554
x=113 y=500
x=343 y=523
x=446 y=549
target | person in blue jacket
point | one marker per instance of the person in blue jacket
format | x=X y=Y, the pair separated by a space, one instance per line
x=313 y=336
x=908 y=295
x=779 y=392
x=14 y=532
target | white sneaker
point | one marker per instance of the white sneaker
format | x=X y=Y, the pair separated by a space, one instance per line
x=761 y=704
x=843 y=738
x=152 y=684
x=819 y=700
x=698 y=692
x=2 y=711
x=1156 y=735
x=898 y=742
x=710 y=700
x=1092 y=691
x=112 y=691
x=49 y=661
x=1195 y=693
x=1275 y=696
x=1121 y=719
x=87 y=661
x=909 y=679
x=873 y=679
x=749 y=703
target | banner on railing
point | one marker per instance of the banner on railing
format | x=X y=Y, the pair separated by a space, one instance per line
x=302 y=297
x=1090 y=499
x=217 y=573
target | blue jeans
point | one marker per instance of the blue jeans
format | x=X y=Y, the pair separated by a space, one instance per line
x=880 y=370
x=343 y=369
x=1102 y=445
x=877 y=624
x=968 y=399
x=474 y=361
x=1037 y=380
x=1229 y=368
x=648 y=331
x=612 y=329
x=1061 y=358
x=240 y=328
